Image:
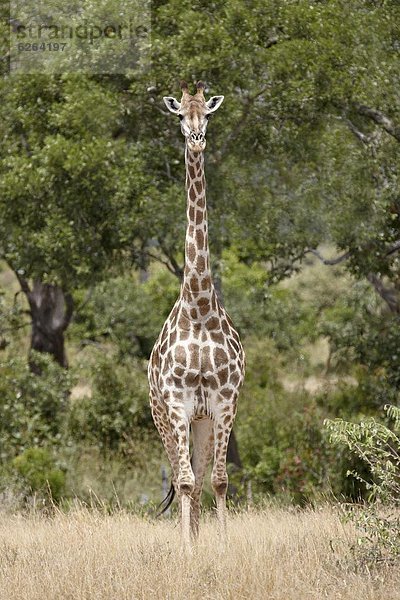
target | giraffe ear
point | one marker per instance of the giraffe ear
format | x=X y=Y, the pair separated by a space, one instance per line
x=172 y=104
x=214 y=103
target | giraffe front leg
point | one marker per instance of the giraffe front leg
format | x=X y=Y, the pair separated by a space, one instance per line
x=223 y=423
x=185 y=481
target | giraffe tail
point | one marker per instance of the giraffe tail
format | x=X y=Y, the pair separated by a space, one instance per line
x=166 y=503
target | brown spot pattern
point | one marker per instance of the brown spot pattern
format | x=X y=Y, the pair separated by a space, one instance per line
x=234 y=378
x=217 y=337
x=212 y=323
x=223 y=376
x=191 y=252
x=194 y=284
x=206 y=283
x=225 y=326
x=199 y=186
x=183 y=322
x=199 y=217
x=199 y=239
x=206 y=365
x=220 y=356
x=194 y=353
x=180 y=355
x=201 y=264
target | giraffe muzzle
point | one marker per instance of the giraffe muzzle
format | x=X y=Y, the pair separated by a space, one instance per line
x=196 y=141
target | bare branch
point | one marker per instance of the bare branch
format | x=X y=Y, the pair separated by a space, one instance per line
x=86 y=300
x=169 y=174
x=163 y=262
x=363 y=137
x=177 y=270
x=163 y=112
x=15 y=327
x=394 y=248
x=23 y=283
x=25 y=144
x=380 y=118
x=330 y=261
x=335 y=261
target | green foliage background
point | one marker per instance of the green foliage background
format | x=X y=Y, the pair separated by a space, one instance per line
x=301 y=165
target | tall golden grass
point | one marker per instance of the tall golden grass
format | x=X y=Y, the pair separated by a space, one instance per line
x=272 y=554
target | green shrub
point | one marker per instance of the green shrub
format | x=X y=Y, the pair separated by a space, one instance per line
x=118 y=310
x=118 y=411
x=259 y=309
x=32 y=407
x=283 y=447
x=378 y=446
x=39 y=473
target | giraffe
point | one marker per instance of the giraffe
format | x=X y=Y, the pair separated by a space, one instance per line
x=196 y=367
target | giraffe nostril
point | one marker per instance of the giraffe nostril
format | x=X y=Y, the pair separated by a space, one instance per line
x=197 y=137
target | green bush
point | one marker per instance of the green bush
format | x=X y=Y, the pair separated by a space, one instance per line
x=283 y=446
x=39 y=473
x=362 y=333
x=259 y=309
x=118 y=411
x=128 y=313
x=32 y=407
x=378 y=447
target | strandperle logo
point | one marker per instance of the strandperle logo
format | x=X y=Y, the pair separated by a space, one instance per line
x=83 y=32
x=102 y=36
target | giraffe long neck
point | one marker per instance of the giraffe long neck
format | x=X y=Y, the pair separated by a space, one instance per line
x=197 y=275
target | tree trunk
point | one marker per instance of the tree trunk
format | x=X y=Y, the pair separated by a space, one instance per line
x=51 y=311
x=389 y=294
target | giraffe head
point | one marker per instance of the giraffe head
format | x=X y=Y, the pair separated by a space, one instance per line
x=193 y=112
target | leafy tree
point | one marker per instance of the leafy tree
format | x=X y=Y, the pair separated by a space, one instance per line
x=289 y=144
x=304 y=151
x=61 y=209
x=127 y=313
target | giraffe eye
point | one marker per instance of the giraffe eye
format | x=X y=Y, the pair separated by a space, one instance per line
x=181 y=117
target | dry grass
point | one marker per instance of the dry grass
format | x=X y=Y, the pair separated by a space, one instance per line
x=275 y=554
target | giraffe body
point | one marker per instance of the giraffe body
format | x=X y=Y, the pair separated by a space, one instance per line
x=197 y=364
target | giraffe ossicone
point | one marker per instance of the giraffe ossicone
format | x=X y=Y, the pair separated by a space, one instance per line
x=196 y=367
